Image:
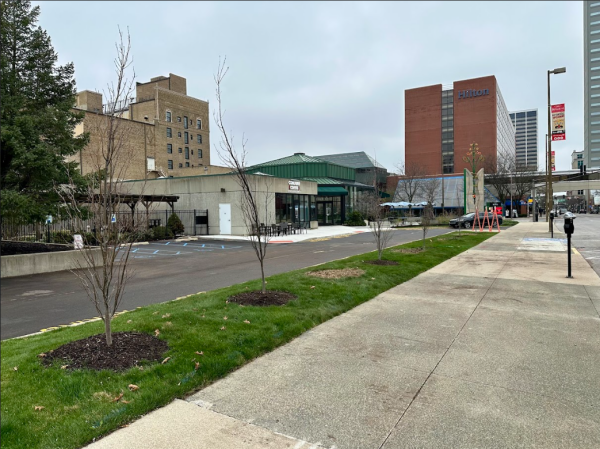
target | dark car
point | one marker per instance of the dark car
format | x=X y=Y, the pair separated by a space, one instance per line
x=466 y=221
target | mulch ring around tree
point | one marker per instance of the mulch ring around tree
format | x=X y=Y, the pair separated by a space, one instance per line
x=258 y=298
x=337 y=274
x=381 y=262
x=408 y=250
x=126 y=351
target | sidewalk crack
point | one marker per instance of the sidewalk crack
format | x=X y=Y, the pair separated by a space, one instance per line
x=416 y=395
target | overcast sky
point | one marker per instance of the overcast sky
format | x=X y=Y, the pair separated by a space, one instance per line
x=329 y=77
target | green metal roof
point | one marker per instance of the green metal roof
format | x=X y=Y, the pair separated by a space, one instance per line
x=296 y=158
x=331 y=191
x=360 y=159
x=325 y=180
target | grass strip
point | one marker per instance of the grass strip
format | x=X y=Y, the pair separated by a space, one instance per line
x=79 y=406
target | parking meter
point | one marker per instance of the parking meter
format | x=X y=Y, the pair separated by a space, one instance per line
x=569 y=228
x=552 y=223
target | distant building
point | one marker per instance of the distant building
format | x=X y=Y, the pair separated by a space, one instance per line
x=441 y=122
x=526 y=135
x=591 y=84
x=367 y=168
x=576 y=159
x=167 y=131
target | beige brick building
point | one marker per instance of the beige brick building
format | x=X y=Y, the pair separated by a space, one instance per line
x=166 y=132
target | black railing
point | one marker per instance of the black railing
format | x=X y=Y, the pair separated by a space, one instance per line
x=195 y=222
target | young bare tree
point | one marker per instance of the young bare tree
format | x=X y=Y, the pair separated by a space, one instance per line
x=429 y=189
x=105 y=269
x=410 y=183
x=236 y=160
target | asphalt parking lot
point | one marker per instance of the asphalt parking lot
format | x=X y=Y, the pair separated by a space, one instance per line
x=168 y=270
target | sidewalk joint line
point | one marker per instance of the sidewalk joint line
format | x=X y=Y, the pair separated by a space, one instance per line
x=416 y=395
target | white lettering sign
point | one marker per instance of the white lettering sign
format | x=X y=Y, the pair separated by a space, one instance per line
x=78 y=242
x=294 y=185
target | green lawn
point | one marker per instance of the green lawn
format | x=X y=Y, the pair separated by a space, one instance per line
x=77 y=405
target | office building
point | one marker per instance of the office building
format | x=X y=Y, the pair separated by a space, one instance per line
x=441 y=122
x=164 y=131
x=526 y=135
x=591 y=84
x=576 y=159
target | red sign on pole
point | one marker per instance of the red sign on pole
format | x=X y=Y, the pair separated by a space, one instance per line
x=558 y=121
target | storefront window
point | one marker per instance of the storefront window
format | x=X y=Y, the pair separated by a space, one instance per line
x=294 y=208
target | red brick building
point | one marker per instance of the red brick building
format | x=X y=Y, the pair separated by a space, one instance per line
x=441 y=123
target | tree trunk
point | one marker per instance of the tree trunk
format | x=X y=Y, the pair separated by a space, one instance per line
x=107 y=328
x=262 y=273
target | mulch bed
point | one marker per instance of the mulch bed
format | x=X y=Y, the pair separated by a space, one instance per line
x=126 y=351
x=337 y=274
x=381 y=262
x=258 y=298
x=9 y=248
x=409 y=250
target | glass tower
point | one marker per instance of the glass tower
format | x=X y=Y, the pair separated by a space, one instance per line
x=591 y=82
x=526 y=126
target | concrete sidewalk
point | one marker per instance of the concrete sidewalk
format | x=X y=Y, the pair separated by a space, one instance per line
x=493 y=348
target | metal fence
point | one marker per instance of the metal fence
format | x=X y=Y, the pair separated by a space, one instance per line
x=195 y=222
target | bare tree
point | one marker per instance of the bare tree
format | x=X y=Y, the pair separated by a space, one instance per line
x=105 y=269
x=498 y=175
x=429 y=189
x=523 y=180
x=410 y=183
x=236 y=160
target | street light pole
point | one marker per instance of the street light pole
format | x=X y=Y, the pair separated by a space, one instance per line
x=549 y=193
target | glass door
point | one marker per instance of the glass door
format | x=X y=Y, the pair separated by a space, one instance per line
x=325 y=213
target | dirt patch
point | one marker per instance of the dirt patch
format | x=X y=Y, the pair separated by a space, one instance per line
x=337 y=274
x=127 y=350
x=408 y=250
x=13 y=248
x=258 y=298
x=382 y=262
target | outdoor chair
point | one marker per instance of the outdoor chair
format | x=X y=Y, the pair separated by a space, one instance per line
x=283 y=228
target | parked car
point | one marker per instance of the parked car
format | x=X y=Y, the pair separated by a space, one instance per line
x=562 y=210
x=466 y=221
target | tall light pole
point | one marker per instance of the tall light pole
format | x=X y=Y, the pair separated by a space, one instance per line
x=549 y=194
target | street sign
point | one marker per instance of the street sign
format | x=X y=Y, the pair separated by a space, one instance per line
x=48 y=219
x=113 y=219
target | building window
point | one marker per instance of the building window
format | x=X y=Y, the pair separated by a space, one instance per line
x=179 y=119
x=198 y=124
x=185 y=137
x=169 y=133
x=199 y=138
x=187 y=152
x=170 y=164
x=187 y=164
x=179 y=134
x=169 y=148
x=168 y=116
x=180 y=150
x=199 y=153
x=185 y=122
x=180 y=165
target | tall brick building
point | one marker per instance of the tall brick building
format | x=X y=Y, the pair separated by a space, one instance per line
x=441 y=123
x=167 y=131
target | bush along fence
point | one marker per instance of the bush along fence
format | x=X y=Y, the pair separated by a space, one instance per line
x=152 y=225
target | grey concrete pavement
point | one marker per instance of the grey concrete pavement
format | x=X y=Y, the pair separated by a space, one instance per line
x=493 y=348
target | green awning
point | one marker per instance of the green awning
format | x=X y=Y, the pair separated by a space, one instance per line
x=384 y=194
x=331 y=191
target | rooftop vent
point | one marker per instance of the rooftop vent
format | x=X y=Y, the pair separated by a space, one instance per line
x=299 y=154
